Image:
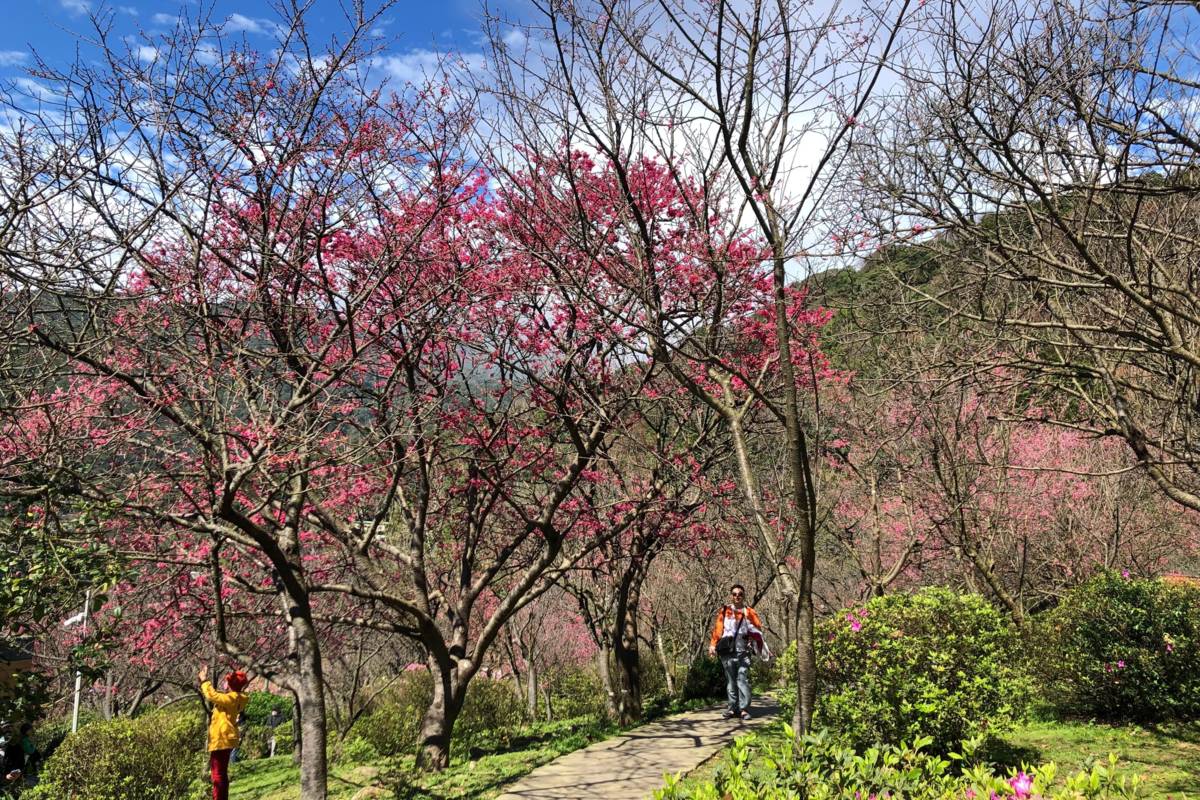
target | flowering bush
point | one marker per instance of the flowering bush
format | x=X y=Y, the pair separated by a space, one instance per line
x=817 y=767
x=932 y=664
x=1120 y=648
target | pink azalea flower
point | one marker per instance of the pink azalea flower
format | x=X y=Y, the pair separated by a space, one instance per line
x=1021 y=784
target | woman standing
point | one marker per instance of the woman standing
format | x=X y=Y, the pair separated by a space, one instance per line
x=223 y=733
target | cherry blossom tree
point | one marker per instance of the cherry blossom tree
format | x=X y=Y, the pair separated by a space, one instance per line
x=666 y=461
x=731 y=99
x=303 y=363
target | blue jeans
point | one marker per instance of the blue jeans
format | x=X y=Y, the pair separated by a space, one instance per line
x=737 y=680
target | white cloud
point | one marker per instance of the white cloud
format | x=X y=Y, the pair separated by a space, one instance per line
x=418 y=65
x=129 y=10
x=76 y=6
x=240 y=23
x=163 y=19
x=379 y=29
x=514 y=38
x=33 y=89
x=207 y=54
x=147 y=53
x=13 y=58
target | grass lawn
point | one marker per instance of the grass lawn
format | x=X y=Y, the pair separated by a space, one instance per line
x=479 y=778
x=1167 y=756
x=278 y=778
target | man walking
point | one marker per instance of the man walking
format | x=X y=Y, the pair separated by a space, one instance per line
x=273 y=722
x=736 y=626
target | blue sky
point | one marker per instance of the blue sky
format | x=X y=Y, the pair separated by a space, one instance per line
x=53 y=27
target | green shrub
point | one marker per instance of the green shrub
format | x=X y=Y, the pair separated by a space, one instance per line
x=705 y=680
x=770 y=674
x=818 y=767
x=931 y=664
x=254 y=742
x=1121 y=649
x=258 y=710
x=492 y=711
x=654 y=679
x=154 y=757
x=51 y=733
x=285 y=741
x=394 y=721
x=355 y=750
x=578 y=693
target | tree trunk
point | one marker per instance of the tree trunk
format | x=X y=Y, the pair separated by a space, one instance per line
x=625 y=652
x=531 y=688
x=606 y=679
x=549 y=708
x=803 y=493
x=437 y=726
x=145 y=690
x=988 y=573
x=661 y=650
x=297 y=739
x=788 y=606
x=310 y=700
x=511 y=650
x=629 y=682
x=806 y=665
x=106 y=707
x=796 y=589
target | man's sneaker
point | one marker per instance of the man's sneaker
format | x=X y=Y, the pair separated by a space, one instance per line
x=726 y=714
x=745 y=714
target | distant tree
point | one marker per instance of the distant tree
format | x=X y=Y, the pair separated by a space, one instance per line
x=1046 y=153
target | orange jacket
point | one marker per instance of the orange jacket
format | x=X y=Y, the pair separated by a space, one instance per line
x=222 y=729
x=728 y=618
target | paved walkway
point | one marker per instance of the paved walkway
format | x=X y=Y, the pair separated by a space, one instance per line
x=631 y=766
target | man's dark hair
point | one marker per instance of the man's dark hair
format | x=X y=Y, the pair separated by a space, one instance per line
x=738 y=586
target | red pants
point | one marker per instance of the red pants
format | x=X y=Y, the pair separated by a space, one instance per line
x=218 y=765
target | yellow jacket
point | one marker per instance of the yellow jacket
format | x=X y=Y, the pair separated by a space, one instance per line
x=222 y=729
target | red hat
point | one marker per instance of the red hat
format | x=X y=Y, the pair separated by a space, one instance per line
x=236 y=680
